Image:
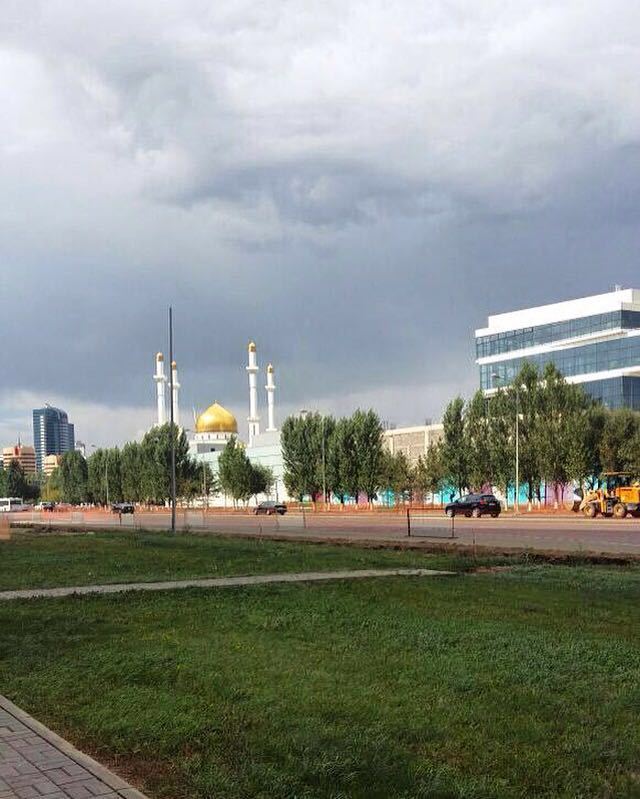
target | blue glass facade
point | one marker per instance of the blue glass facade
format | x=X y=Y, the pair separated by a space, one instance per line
x=52 y=433
x=599 y=357
x=511 y=340
x=615 y=392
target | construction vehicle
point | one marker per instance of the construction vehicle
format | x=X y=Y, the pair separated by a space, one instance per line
x=618 y=495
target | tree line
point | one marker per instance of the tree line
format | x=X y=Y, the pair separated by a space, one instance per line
x=139 y=472
x=564 y=436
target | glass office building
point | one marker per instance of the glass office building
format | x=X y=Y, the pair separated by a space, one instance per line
x=594 y=341
x=53 y=434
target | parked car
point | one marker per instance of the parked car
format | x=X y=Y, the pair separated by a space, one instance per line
x=122 y=507
x=270 y=508
x=50 y=506
x=475 y=505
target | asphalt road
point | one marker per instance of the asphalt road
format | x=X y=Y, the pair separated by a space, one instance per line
x=565 y=533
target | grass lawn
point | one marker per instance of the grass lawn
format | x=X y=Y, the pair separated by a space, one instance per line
x=46 y=561
x=523 y=683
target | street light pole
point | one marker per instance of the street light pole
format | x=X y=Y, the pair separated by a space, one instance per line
x=324 y=471
x=517 y=498
x=171 y=428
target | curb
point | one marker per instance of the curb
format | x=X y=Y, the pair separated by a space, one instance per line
x=101 y=773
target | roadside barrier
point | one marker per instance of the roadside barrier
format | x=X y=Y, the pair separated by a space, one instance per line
x=288 y=521
x=422 y=525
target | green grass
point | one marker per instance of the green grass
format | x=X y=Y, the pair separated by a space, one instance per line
x=513 y=684
x=46 y=561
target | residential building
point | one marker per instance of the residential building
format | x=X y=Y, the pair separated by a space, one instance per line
x=81 y=447
x=593 y=341
x=25 y=455
x=53 y=434
x=412 y=441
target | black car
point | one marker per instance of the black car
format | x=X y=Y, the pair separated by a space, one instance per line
x=475 y=505
x=122 y=507
x=270 y=508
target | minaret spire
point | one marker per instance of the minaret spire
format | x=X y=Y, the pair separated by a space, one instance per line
x=253 y=418
x=271 y=387
x=174 y=398
x=160 y=380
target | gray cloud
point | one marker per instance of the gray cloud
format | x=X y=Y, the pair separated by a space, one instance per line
x=355 y=185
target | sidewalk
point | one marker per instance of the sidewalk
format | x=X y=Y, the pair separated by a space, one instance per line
x=218 y=582
x=35 y=763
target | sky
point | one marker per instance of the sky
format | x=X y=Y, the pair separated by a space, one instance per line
x=353 y=185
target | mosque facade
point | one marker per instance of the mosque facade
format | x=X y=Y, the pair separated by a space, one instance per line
x=215 y=426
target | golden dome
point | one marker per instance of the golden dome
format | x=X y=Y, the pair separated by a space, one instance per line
x=216 y=419
x=174 y=365
x=159 y=357
x=270 y=368
x=252 y=346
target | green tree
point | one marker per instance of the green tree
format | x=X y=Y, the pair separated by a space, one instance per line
x=367 y=437
x=428 y=474
x=561 y=407
x=16 y=482
x=52 y=489
x=395 y=474
x=156 y=463
x=477 y=442
x=235 y=471
x=341 y=462
x=524 y=393
x=454 y=452
x=620 y=428
x=301 y=440
x=584 y=464
x=261 y=480
x=131 y=469
x=73 y=477
x=104 y=482
x=501 y=439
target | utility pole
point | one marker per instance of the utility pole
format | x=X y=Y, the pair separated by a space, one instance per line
x=171 y=428
x=517 y=497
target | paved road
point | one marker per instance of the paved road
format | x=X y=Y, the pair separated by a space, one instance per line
x=37 y=763
x=568 y=533
x=220 y=582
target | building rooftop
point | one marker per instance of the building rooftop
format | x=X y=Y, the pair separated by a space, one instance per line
x=623 y=299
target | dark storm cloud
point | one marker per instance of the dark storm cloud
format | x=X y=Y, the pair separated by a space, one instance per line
x=355 y=186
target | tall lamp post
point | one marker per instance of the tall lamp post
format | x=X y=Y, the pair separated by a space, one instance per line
x=516 y=509
x=171 y=427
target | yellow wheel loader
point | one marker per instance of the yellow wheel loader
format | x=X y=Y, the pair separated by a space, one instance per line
x=618 y=495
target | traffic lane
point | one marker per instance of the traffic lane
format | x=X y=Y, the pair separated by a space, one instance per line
x=566 y=534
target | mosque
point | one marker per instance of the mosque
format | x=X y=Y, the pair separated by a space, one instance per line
x=215 y=426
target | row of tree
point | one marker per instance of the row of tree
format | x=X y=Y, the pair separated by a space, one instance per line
x=563 y=436
x=139 y=472
x=325 y=456
x=14 y=482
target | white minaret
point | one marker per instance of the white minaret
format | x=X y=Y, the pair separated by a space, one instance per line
x=253 y=418
x=174 y=397
x=271 y=387
x=160 y=381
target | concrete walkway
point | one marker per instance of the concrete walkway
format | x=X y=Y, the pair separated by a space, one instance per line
x=219 y=582
x=35 y=763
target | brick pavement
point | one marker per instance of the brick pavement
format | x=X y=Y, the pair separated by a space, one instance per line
x=219 y=582
x=35 y=763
